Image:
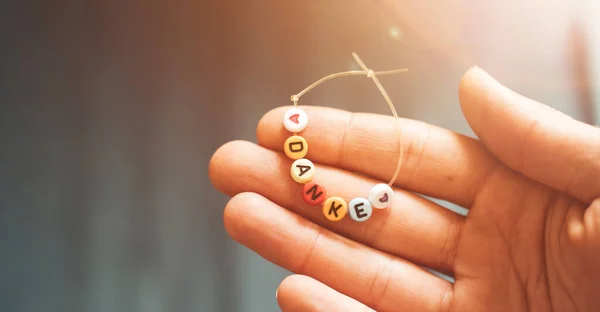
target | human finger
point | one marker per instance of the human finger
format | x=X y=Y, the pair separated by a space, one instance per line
x=531 y=138
x=299 y=293
x=436 y=162
x=380 y=281
x=413 y=227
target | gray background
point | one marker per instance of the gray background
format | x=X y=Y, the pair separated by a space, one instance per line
x=110 y=111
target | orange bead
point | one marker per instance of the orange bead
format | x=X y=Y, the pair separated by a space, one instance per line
x=295 y=147
x=314 y=193
x=335 y=208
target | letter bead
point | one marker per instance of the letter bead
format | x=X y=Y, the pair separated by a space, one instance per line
x=295 y=120
x=334 y=208
x=381 y=196
x=314 y=193
x=295 y=147
x=360 y=209
x=302 y=170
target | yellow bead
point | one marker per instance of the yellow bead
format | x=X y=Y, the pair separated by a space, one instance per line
x=295 y=147
x=335 y=208
x=302 y=170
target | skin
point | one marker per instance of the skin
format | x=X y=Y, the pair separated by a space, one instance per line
x=531 y=182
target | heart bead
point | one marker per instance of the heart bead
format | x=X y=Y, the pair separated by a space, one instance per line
x=381 y=196
x=295 y=120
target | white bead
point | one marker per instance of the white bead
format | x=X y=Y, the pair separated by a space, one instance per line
x=295 y=120
x=360 y=209
x=302 y=170
x=381 y=196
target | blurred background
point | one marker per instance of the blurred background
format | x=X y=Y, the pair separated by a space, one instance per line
x=110 y=111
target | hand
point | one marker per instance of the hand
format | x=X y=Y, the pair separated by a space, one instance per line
x=531 y=239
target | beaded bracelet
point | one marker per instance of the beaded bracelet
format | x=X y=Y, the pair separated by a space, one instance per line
x=302 y=170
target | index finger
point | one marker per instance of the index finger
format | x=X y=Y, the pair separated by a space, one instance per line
x=436 y=162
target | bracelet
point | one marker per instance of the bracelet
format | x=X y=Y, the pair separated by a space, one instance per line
x=302 y=170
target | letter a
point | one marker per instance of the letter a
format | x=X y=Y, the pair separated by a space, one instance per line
x=303 y=169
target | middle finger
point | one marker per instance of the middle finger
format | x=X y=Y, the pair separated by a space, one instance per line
x=413 y=228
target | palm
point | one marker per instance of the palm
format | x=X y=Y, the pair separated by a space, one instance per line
x=529 y=242
x=509 y=255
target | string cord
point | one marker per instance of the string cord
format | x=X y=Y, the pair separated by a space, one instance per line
x=373 y=75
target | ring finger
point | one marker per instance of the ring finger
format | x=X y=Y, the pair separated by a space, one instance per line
x=382 y=282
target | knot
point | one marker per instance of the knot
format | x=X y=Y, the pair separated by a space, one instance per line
x=370 y=73
x=294 y=98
